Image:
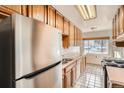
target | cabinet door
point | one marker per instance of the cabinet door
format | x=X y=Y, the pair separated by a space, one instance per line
x=59 y=21
x=73 y=75
x=117 y=25
x=24 y=10
x=7 y=10
x=71 y=35
x=66 y=27
x=113 y=29
x=63 y=81
x=78 y=69
x=51 y=16
x=16 y=8
x=37 y=12
x=68 y=79
x=121 y=19
x=77 y=37
x=80 y=37
x=82 y=65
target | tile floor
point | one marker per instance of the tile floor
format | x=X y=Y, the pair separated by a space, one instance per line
x=91 y=78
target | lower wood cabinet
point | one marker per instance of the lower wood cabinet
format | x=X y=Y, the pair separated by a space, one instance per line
x=69 y=75
x=68 y=79
x=72 y=72
x=73 y=75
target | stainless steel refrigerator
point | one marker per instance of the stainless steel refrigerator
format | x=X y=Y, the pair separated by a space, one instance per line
x=30 y=54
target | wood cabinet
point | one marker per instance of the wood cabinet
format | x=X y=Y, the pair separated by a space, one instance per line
x=68 y=79
x=72 y=72
x=118 y=23
x=59 y=21
x=121 y=20
x=14 y=8
x=51 y=16
x=65 y=40
x=66 y=27
x=77 y=37
x=83 y=64
x=65 y=35
x=11 y=9
x=37 y=12
x=24 y=10
x=113 y=30
x=71 y=35
x=69 y=75
x=73 y=75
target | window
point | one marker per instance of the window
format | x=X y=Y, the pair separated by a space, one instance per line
x=96 y=46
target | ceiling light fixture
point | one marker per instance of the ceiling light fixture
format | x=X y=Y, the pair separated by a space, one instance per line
x=87 y=11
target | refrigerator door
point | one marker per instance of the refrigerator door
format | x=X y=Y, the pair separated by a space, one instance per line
x=37 y=46
x=48 y=79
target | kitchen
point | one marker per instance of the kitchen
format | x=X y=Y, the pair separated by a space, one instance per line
x=55 y=46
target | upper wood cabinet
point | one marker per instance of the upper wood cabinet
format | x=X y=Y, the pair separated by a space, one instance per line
x=114 y=29
x=37 y=12
x=59 y=21
x=11 y=9
x=75 y=36
x=118 y=23
x=78 y=37
x=72 y=35
x=66 y=27
x=24 y=10
x=121 y=19
x=16 y=8
x=51 y=16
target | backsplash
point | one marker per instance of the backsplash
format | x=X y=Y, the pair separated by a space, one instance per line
x=71 y=52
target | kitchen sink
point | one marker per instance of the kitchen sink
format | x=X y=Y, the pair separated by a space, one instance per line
x=66 y=60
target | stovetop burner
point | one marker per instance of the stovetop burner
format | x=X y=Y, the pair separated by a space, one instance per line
x=113 y=62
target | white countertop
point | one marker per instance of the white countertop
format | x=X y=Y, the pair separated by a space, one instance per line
x=115 y=75
x=70 y=62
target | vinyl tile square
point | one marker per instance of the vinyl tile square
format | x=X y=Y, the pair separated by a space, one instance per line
x=93 y=77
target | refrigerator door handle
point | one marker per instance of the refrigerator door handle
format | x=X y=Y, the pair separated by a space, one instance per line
x=33 y=74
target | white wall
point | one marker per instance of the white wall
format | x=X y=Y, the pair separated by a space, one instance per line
x=95 y=58
x=71 y=52
x=104 y=33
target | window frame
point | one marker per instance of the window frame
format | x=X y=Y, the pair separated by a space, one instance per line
x=102 y=41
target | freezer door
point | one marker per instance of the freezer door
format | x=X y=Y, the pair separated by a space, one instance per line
x=37 y=46
x=46 y=45
x=45 y=78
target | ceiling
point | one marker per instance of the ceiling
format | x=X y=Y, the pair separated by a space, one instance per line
x=103 y=22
